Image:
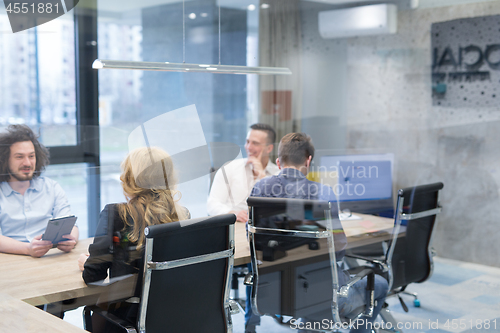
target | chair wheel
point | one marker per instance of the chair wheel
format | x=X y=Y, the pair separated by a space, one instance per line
x=416 y=303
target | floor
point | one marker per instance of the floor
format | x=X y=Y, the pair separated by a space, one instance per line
x=459 y=297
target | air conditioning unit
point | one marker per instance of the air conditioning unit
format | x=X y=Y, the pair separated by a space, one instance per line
x=358 y=21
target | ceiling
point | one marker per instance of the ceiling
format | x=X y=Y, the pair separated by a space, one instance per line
x=123 y=6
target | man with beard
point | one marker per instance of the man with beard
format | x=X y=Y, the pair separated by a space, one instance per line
x=27 y=200
x=233 y=183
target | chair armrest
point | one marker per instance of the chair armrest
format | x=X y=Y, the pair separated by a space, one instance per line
x=344 y=290
x=382 y=265
x=233 y=307
x=110 y=318
x=248 y=280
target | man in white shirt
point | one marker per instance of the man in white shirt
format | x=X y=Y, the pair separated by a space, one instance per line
x=234 y=181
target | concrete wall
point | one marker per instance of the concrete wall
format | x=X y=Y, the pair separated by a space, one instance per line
x=381 y=94
x=324 y=82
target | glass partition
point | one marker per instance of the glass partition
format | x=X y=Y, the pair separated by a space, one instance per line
x=73 y=180
x=425 y=94
x=164 y=31
x=296 y=246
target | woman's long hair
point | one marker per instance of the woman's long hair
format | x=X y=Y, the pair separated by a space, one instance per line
x=148 y=182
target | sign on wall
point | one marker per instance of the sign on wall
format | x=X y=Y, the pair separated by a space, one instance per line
x=466 y=62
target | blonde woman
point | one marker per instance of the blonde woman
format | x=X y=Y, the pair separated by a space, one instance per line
x=148 y=182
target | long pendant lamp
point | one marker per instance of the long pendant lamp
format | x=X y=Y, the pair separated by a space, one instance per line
x=183 y=67
x=165 y=66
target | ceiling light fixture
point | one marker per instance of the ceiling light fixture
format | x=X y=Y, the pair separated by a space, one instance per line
x=183 y=67
x=172 y=67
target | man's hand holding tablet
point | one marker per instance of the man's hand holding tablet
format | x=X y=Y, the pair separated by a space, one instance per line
x=38 y=247
x=59 y=231
x=69 y=244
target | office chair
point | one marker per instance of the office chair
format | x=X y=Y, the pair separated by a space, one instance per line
x=186 y=278
x=293 y=246
x=409 y=258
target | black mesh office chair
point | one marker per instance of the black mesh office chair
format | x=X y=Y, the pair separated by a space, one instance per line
x=186 y=280
x=294 y=246
x=409 y=257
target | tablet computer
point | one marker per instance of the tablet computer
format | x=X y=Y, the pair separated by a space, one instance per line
x=58 y=227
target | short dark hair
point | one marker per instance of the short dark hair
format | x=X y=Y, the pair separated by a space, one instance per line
x=271 y=133
x=295 y=149
x=21 y=133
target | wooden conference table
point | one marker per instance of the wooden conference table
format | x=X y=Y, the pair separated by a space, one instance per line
x=56 y=277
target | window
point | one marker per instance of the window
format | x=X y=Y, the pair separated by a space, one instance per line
x=45 y=82
x=38 y=80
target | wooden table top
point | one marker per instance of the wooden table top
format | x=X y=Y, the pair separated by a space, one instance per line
x=55 y=276
x=368 y=229
x=18 y=316
x=242 y=250
x=51 y=278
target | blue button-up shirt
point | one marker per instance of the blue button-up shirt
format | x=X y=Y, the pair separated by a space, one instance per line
x=23 y=217
x=291 y=183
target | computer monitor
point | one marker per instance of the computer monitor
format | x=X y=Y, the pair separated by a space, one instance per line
x=363 y=182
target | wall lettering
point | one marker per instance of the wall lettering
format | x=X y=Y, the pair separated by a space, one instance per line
x=466 y=62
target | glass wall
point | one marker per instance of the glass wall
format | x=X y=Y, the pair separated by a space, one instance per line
x=425 y=91
x=225 y=104
x=355 y=93
x=73 y=180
